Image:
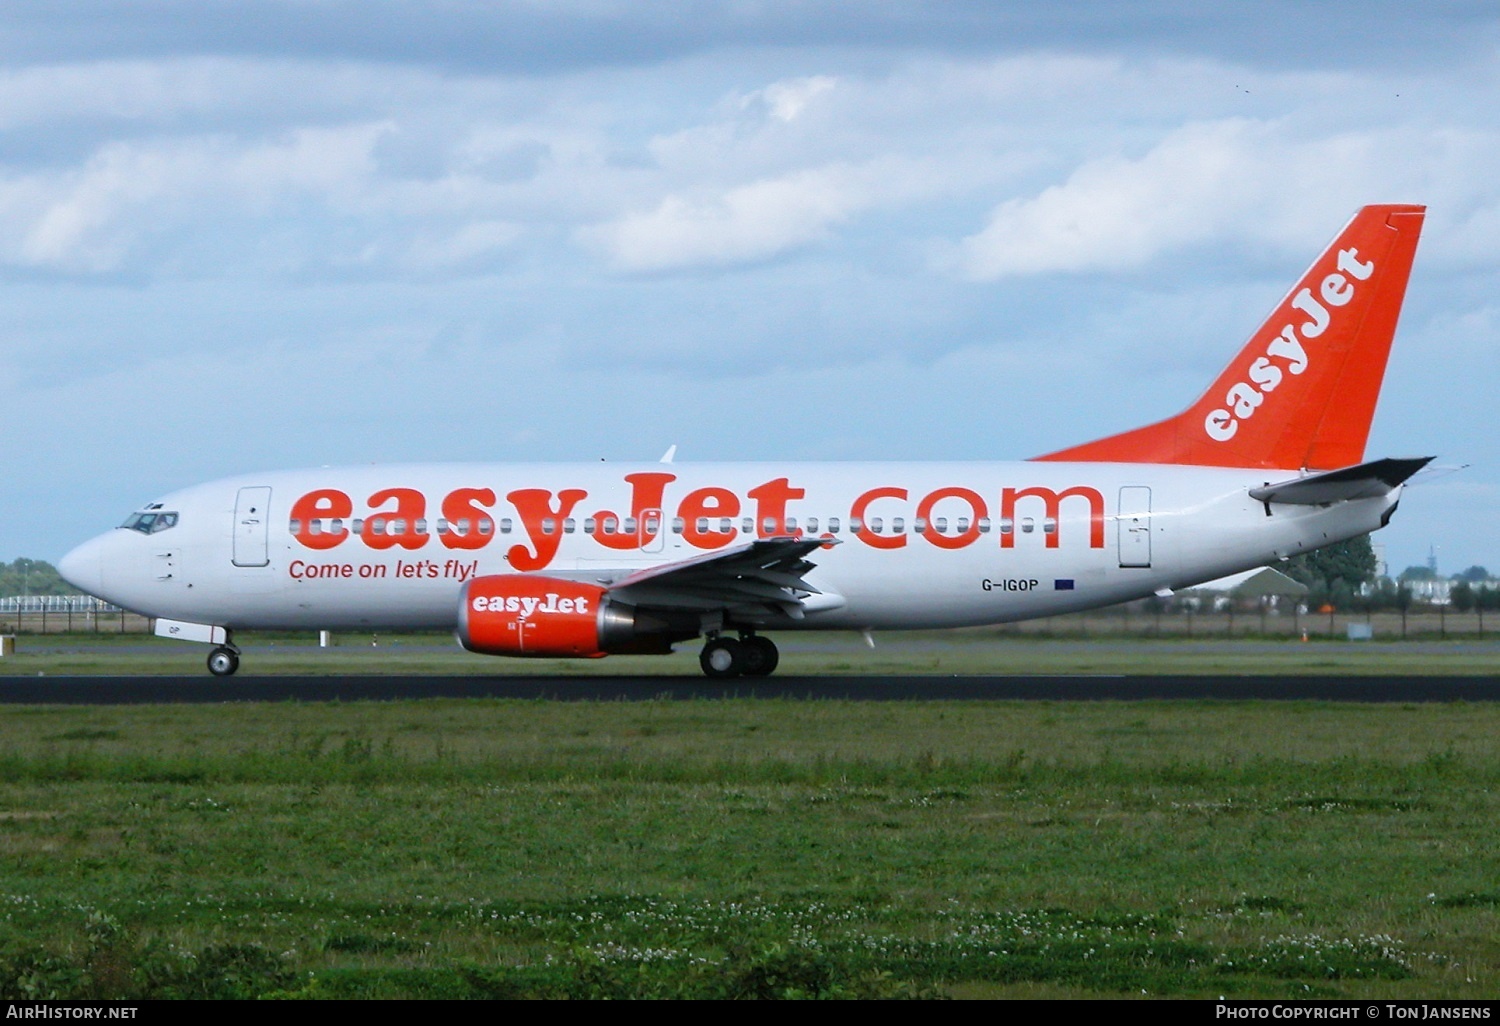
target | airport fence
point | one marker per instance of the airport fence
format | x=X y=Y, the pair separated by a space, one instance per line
x=1137 y=619
x=60 y=614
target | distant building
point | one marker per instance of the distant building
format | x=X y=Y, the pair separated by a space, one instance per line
x=1435 y=591
x=1428 y=586
x=1263 y=585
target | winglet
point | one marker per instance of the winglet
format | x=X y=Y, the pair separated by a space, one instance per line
x=1302 y=392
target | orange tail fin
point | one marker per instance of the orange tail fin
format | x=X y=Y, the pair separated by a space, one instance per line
x=1302 y=392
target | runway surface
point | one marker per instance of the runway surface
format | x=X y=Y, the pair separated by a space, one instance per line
x=139 y=690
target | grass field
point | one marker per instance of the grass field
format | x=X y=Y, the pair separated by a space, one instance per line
x=491 y=848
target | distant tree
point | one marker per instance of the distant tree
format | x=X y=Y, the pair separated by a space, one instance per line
x=1474 y=575
x=1335 y=573
x=33 y=577
x=1383 y=597
x=1418 y=573
x=1462 y=596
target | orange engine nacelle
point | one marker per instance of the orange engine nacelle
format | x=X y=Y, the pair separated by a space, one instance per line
x=521 y=615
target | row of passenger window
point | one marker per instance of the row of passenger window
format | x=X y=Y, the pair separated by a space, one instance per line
x=703 y=525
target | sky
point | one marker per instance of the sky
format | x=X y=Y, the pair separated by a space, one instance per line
x=245 y=236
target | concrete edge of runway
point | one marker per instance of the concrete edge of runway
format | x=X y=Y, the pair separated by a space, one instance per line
x=135 y=690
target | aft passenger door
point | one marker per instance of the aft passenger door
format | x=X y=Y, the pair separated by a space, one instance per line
x=251 y=526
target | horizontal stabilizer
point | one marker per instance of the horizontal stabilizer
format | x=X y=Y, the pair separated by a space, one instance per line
x=1365 y=481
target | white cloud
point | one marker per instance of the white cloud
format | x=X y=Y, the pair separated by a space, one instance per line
x=787 y=99
x=1265 y=182
x=86 y=219
x=1115 y=213
x=751 y=222
x=119 y=91
x=67 y=221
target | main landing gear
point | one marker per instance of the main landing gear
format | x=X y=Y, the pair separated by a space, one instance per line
x=750 y=656
x=223 y=661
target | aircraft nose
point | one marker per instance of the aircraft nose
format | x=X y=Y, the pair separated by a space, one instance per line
x=83 y=568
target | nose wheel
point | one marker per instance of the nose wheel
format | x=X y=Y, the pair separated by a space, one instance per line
x=749 y=656
x=223 y=661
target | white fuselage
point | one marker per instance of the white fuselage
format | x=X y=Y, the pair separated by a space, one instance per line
x=912 y=545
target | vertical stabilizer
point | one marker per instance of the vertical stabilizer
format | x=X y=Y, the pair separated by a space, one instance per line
x=1302 y=392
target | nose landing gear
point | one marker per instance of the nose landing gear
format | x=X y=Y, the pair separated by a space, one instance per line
x=223 y=661
x=750 y=656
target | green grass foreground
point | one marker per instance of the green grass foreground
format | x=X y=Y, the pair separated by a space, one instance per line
x=750 y=849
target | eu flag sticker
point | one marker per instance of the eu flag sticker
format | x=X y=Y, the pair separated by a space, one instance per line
x=1063 y=584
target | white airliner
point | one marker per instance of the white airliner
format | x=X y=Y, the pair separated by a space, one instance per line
x=593 y=559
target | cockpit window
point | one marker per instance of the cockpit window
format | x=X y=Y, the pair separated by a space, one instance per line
x=150 y=522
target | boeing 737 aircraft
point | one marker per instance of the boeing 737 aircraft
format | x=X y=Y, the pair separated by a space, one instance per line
x=595 y=559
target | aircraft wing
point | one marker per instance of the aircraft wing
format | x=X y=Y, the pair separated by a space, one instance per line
x=760 y=576
x=1364 y=481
